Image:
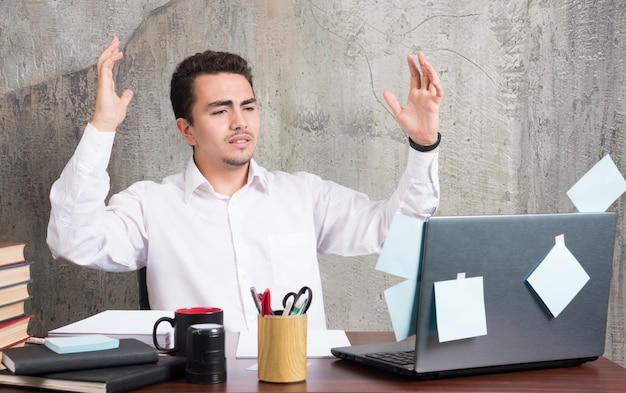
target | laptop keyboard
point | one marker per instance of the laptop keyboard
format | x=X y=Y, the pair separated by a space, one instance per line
x=403 y=358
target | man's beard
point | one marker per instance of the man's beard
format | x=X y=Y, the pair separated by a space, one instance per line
x=240 y=161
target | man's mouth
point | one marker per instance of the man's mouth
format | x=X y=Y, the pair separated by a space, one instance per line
x=240 y=139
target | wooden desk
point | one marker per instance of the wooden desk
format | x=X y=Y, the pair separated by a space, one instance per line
x=335 y=375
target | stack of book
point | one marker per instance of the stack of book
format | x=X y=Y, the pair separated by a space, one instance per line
x=75 y=367
x=14 y=280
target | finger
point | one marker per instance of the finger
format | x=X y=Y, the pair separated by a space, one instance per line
x=113 y=46
x=108 y=62
x=425 y=67
x=110 y=50
x=126 y=97
x=436 y=89
x=426 y=82
x=393 y=103
x=416 y=80
x=430 y=74
x=109 y=56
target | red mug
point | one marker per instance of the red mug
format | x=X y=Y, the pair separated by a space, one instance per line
x=183 y=318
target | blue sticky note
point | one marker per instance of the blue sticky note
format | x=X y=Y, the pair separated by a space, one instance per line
x=558 y=278
x=85 y=343
x=401 y=304
x=460 y=308
x=598 y=188
x=401 y=251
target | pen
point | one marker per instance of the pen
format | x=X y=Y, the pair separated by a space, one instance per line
x=266 y=303
x=255 y=297
x=300 y=305
x=288 y=306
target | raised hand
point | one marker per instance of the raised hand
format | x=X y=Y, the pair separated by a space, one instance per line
x=420 y=116
x=110 y=109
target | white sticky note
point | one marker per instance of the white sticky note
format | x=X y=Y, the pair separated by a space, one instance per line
x=460 y=308
x=401 y=305
x=558 y=278
x=401 y=251
x=598 y=188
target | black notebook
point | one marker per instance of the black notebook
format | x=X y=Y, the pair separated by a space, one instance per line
x=37 y=359
x=103 y=380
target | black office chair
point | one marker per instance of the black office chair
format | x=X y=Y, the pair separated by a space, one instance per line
x=144 y=300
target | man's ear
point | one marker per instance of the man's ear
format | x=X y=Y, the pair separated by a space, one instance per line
x=185 y=130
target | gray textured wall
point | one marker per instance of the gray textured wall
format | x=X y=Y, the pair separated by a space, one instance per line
x=534 y=98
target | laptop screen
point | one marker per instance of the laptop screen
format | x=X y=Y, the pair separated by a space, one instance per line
x=503 y=251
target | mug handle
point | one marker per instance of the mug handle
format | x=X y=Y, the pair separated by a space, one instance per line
x=172 y=322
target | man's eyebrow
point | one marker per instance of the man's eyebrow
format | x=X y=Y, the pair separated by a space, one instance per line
x=220 y=103
x=230 y=102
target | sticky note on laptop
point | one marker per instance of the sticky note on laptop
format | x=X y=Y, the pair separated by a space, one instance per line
x=460 y=308
x=558 y=278
x=86 y=343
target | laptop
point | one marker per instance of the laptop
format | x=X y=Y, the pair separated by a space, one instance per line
x=522 y=334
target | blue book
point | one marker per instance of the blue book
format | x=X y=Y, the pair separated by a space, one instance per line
x=15 y=273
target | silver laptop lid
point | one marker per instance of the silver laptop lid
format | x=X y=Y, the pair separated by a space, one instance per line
x=504 y=250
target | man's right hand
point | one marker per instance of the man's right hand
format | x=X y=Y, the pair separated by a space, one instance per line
x=110 y=109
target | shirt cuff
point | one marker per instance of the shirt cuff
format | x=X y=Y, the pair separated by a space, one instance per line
x=423 y=167
x=94 y=148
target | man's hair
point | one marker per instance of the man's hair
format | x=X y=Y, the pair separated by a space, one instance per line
x=182 y=92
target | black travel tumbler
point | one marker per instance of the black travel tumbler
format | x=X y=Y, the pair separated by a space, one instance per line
x=206 y=357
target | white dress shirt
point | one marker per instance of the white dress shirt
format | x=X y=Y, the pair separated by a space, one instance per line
x=206 y=249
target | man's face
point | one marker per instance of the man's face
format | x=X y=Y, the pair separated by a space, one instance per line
x=225 y=122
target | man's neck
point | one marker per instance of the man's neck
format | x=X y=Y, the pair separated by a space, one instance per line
x=226 y=180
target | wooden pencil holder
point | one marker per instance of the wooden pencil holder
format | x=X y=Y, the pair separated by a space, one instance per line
x=282 y=348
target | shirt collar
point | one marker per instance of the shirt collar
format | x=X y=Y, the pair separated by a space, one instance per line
x=257 y=177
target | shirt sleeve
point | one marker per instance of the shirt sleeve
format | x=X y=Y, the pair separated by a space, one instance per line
x=80 y=230
x=349 y=224
x=418 y=190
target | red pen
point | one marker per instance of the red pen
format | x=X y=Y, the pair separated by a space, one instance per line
x=266 y=303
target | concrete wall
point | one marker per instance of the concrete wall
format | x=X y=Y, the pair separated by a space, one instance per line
x=534 y=98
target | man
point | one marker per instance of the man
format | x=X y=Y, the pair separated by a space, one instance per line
x=208 y=234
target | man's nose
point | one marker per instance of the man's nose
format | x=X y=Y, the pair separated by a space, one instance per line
x=238 y=120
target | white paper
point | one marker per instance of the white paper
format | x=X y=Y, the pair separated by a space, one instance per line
x=558 y=278
x=460 y=308
x=319 y=343
x=598 y=188
x=122 y=324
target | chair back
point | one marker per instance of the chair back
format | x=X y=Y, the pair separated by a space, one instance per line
x=144 y=301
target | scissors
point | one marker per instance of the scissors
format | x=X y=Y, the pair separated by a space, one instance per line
x=300 y=301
